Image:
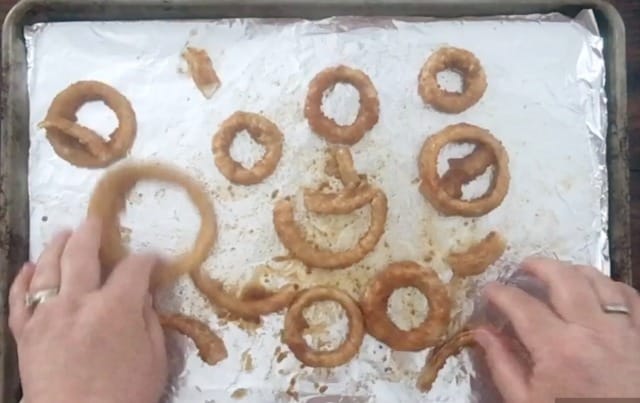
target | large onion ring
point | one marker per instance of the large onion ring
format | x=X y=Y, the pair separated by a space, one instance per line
x=108 y=200
x=201 y=70
x=439 y=355
x=431 y=184
x=327 y=127
x=263 y=131
x=248 y=309
x=376 y=298
x=210 y=346
x=294 y=325
x=478 y=257
x=474 y=80
x=294 y=239
x=80 y=145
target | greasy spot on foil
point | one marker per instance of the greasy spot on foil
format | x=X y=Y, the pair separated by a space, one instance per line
x=291 y=391
x=239 y=393
x=247 y=361
x=281 y=356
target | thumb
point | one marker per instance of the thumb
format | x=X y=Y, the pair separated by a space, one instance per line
x=507 y=371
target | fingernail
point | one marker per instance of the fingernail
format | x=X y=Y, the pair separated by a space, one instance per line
x=483 y=337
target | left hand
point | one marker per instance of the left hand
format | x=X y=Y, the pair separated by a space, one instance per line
x=88 y=341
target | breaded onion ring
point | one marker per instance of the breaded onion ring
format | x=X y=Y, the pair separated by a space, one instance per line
x=478 y=257
x=356 y=194
x=345 y=170
x=295 y=323
x=245 y=308
x=462 y=61
x=201 y=70
x=294 y=239
x=210 y=346
x=346 y=201
x=262 y=131
x=464 y=170
x=327 y=127
x=376 y=298
x=431 y=184
x=108 y=200
x=438 y=357
x=82 y=146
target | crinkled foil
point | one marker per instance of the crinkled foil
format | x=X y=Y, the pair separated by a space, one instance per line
x=545 y=101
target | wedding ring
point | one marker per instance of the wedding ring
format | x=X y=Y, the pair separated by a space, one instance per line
x=32 y=300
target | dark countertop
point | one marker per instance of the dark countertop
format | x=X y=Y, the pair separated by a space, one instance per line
x=630 y=10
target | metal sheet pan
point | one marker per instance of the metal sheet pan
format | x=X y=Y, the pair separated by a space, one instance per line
x=14 y=209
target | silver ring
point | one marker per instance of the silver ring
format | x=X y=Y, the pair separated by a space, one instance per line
x=34 y=299
x=616 y=308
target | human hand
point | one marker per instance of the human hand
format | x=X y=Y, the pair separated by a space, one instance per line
x=575 y=348
x=92 y=342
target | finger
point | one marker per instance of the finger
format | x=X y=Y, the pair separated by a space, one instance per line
x=47 y=272
x=130 y=279
x=609 y=292
x=570 y=293
x=633 y=302
x=79 y=264
x=19 y=313
x=153 y=324
x=508 y=373
x=531 y=319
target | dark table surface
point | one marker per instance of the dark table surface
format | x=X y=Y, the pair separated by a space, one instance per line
x=630 y=10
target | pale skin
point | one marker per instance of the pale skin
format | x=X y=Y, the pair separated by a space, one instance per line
x=104 y=340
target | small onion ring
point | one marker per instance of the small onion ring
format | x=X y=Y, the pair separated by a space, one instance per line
x=263 y=131
x=439 y=355
x=248 y=309
x=294 y=239
x=295 y=323
x=82 y=146
x=346 y=201
x=326 y=126
x=464 y=170
x=376 y=298
x=431 y=184
x=201 y=70
x=478 y=257
x=463 y=61
x=108 y=200
x=210 y=346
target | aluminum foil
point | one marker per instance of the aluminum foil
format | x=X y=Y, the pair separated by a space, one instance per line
x=545 y=101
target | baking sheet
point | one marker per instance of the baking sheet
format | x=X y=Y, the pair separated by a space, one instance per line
x=545 y=102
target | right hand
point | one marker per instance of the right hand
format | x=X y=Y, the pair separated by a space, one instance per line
x=575 y=348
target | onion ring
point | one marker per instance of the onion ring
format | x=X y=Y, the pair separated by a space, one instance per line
x=108 y=200
x=326 y=126
x=438 y=357
x=295 y=323
x=343 y=202
x=80 y=145
x=464 y=170
x=263 y=131
x=431 y=184
x=376 y=298
x=201 y=70
x=294 y=239
x=245 y=308
x=356 y=194
x=462 y=61
x=478 y=257
x=210 y=346
x=344 y=167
